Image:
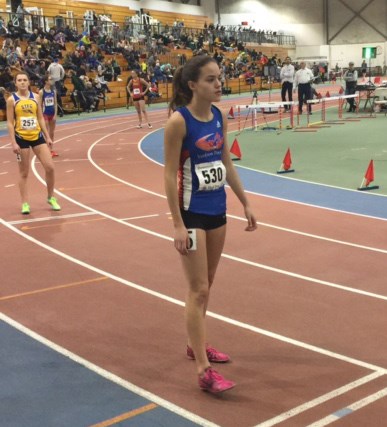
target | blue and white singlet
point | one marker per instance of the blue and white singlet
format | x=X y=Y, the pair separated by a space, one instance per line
x=202 y=175
x=48 y=102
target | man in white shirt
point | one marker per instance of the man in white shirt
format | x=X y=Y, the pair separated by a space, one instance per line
x=57 y=72
x=302 y=80
x=287 y=78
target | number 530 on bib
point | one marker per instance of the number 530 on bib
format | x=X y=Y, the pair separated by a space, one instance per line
x=211 y=175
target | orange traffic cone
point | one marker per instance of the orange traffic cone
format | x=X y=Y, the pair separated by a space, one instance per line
x=235 y=149
x=327 y=95
x=231 y=113
x=286 y=163
x=369 y=176
x=341 y=91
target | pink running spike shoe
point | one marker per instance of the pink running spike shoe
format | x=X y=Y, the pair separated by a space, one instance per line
x=213 y=382
x=213 y=355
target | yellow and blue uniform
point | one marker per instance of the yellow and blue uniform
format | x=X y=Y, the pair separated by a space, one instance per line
x=27 y=125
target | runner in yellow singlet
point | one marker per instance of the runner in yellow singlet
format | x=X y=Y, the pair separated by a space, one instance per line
x=27 y=130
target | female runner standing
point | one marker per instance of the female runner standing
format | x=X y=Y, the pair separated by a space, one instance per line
x=26 y=128
x=136 y=90
x=196 y=151
x=48 y=103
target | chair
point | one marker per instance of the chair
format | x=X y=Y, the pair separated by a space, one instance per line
x=381 y=99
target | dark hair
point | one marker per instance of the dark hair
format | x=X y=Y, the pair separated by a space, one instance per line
x=190 y=71
x=45 y=78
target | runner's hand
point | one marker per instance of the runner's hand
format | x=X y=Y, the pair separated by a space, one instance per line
x=181 y=240
x=251 y=221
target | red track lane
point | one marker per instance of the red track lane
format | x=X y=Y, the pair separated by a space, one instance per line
x=141 y=337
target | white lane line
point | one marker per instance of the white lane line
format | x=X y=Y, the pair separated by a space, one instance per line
x=321 y=399
x=51 y=218
x=308 y=182
x=108 y=375
x=314 y=236
x=140 y=217
x=350 y=409
x=9 y=185
x=175 y=301
x=70 y=170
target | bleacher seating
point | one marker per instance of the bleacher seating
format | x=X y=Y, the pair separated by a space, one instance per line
x=118 y=96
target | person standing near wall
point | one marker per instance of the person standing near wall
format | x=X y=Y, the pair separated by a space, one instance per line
x=287 y=78
x=302 y=81
x=350 y=77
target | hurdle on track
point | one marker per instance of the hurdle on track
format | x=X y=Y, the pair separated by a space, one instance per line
x=261 y=107
x=323 y=101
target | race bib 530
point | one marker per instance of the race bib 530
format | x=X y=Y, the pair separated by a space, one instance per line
x=211 y=175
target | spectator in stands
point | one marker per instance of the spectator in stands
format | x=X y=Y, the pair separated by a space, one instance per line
x=6 y=80
x=3 y=28
x=32 y=71
x=20 y=13
x=91 y=97
x=167 y=71
x=57 y=72
x=71 y=36
x=116 y=69
x=85 y=41
x=14 y=32
x=153 y=92
x=158 y=75
x=77 y=96
x=81 y=71
x=101 y=79
x=3 y=102
x=3 y=60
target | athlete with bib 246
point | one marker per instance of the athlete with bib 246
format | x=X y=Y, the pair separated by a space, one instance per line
x=47 y=97
x=197 y=167
x=27 y=131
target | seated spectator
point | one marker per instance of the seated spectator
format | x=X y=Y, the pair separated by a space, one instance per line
x=14 y=32
x=3 y=60
x=71 y=35
x=158 y=75
x=32 y=71
x=77 y=96
x=103 y=83
x=3 y=102
x=116 y=68
x=108 y=72
x=85 y=41
x=6 y=80
x=153 y=92
x=91 y=97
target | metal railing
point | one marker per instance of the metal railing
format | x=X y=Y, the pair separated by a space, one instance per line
x=141 y=33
